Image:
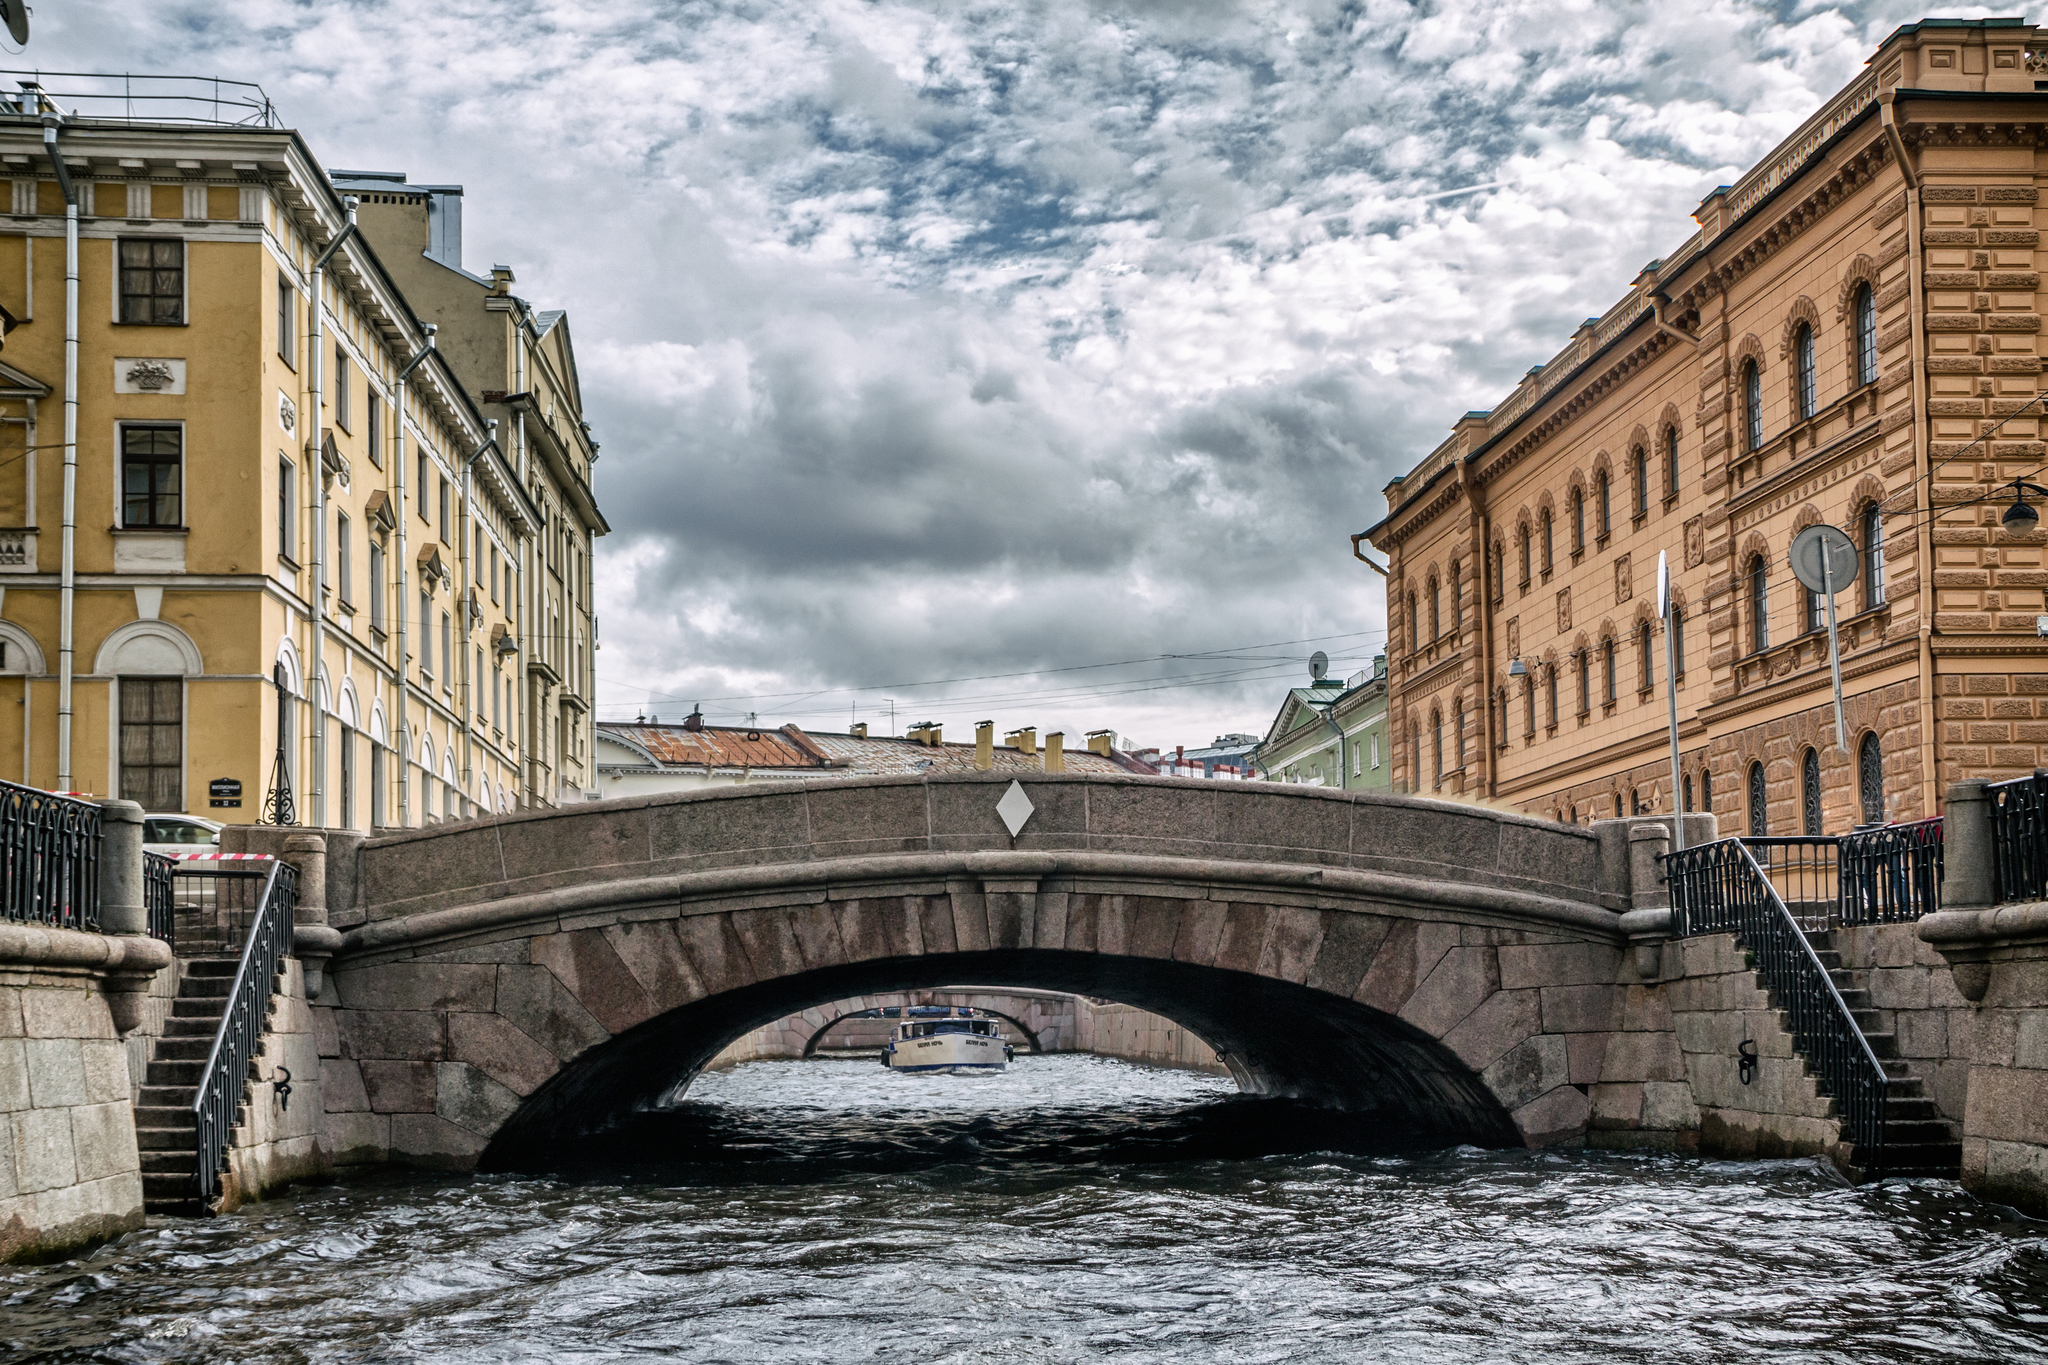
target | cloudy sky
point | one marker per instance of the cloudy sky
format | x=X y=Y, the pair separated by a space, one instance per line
x=996 y=342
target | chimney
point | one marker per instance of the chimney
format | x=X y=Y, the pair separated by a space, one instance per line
x=694 y=722
x=858 y=730
x=927 y=732
x=1102 y=741
x=984 y=744
x=1055 y=752
x=1025 y=740
x=501 y=280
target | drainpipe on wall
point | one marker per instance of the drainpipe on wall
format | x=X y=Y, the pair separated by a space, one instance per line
x=525 y=719
x=406 y=748
x=1930 y=787
x=317 y=371
x=1483 y=579
x=465 y=553
x=67 y=577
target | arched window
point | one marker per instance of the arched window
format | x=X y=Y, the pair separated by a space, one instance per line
x=1677 y=641
x=1866 y=335
x=1522 y=537
x=1436 y=624
x=1688 y=793
x=1639 y=467
x=1809 y=793
x=1759 y=815
x=1706 y=789
x=1759 y=604
x=1816 y=614
x=1752 y=406
x=1585 y=681
x=1550 y=676
x=1607 y=657
x=1436 y=730
x=1457 y=596
x=1415 y=752
x=1414 y=629
x=1548 y=559
x=1458 y=729
x=1603 y=505
x=1529 y=706
x=1646 y=673
x=1671 y=462
x=1873 y=556
x=1578 y=519
x=1870 y=779
x=1802 y=348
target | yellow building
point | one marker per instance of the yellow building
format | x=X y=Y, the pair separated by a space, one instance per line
x=227 y=445
x=1850 y=336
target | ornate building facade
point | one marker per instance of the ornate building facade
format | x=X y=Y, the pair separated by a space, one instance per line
x=1850 y=337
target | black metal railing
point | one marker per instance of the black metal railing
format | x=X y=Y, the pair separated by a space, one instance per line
x=49 y=858
x=1803 y=871
x=1891 y=874
x=226 y=1073
x=158 y=896
x=2019 y=837
x=214 y=901
x=1721 y=888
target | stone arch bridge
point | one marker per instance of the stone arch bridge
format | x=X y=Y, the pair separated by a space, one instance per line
x=1458 y=973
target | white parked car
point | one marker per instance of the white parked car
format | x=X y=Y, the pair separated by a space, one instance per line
x=176 y=834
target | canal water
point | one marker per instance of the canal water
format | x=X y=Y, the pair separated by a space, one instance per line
x=1075 y=1209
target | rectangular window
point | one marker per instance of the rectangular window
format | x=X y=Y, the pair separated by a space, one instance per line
x=287 y=322
x=152 y=280
x=448 y=651
x=423 y=488
x=378 y=818
x=287 y=542
x=344 y=566
x=426 y=639
x=444 y=509
x=153 y=742
x=376 y=586
x=341 y=403
x=1677 y=643
x=348 y=778
x=476 y=687
x=152 y=460
x=494 y=573
x=426 y=797
x=374 y=410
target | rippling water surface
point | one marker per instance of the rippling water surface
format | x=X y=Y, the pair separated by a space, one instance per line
x=1073 y=1210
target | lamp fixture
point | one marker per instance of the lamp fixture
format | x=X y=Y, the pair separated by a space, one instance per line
x=1517 y=669
x=2021 y=518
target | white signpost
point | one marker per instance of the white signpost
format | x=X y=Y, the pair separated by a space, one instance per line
x=1671 y=694
x=1822 y=558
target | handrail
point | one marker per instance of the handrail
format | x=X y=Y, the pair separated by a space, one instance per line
x=1891 y=874
x=226 y=1072
x=1719 y=888
x=2019 y=837
x=159 y=897
x=49 y=858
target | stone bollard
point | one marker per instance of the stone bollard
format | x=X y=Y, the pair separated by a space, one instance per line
x=1647 y=922
x=1969 y=889
x=124 y=909
x=313 y=943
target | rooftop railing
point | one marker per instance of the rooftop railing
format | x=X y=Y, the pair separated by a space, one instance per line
x=124 y=97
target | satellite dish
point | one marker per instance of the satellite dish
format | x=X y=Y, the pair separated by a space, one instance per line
x=1819 y=552
x=1318 y=665
x=15 y=12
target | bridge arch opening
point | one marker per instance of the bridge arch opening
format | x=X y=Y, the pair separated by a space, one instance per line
x=1027 y=1039
x=1276 y=1037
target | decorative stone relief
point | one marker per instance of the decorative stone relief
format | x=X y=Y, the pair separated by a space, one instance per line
x=1622 y=589
x=287 y=412
x=137 y=374
x=1564 y=611
x=1514 y=637
x=1695 y=542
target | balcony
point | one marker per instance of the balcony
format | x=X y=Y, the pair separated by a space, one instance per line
x=17 y=549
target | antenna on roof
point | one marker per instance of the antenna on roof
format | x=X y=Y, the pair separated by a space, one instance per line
x=15 y=12
x=1318 y=665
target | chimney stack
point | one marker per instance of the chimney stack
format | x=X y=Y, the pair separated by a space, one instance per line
x=985 y=744
x=693 y=722
x=1056 y=752
x=927 y=732
x=859 y=729
x=1102 y=741
x=1025 y=740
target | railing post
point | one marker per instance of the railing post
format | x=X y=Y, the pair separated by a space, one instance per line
x=1969 y=877
x=123 y=907
x=312 y=942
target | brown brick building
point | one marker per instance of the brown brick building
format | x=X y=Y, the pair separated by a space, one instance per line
x=1850 y=337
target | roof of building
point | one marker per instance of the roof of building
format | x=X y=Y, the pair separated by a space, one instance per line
x=796 y=753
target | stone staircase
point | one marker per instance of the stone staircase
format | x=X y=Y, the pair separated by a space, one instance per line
x=1917 y=1139
x=163 y=1120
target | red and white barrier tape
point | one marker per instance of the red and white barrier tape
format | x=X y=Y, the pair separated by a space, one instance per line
x=222 y=857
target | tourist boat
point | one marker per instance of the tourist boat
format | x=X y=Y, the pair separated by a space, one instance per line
x=946 y=1038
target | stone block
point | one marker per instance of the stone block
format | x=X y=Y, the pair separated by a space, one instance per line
x=1154 y=925
x=341 y=1087
x=1201 y=926
x=500 y=1051
x=56 y=1071
x=1530 y=1069
x=721 y=830
x=2008 y=1105
x=868 y=927
x=440 y=986
x=1922 y=1033
x=586 y=963
x=43 y=1157
x=468 y=1098
x=64 y=1012
x=1293 y=939
x=1242 y=937
x=10 y=1012
x=1579 y=1009
x=103 y=1140
x=1459 y=983
x=1426 y=840
x=417 y=1035
x=2017 y=985
x=1350 y=942
x=612 y=837
x=434 y=864
x=2015 y=1173
x=14 y=1075
x=399 y=1087
x=650 y=950
x=105 y=1066
x=1588 y=1056
x=1617 y=1106
x=1669 y=1104
x=327 y=1023
x=1500 y=1023
x=1642 y=1057
x=540 y=1006
x=1554 y=1119
x=1558 y=964
x=1142 y=818
x=432 y=1141
x=1281 y=826
x=857 y=822
x=1900 y=988
x=8 y=1188
x=1645 y=1009
x=2029 y=1039
x=1406 y=957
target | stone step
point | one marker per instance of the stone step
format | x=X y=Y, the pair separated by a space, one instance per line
x=178 y=1116
x=1916 y=1132
x=191 y=1027
x=1856 y=998
x=182 y=1073
x=170 y=1162
x=211 y=966
x=1885 y=1045
x=170 y=1192
x=205 y=988
x=1931 y=1158
x=1907 y=1108
x=192 y=1048
x=209 y=1007
x=1830 y=960
x=164 y=1139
